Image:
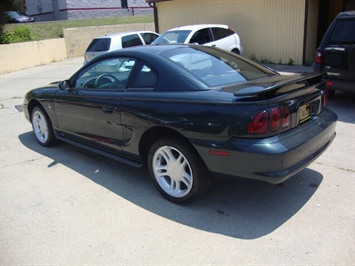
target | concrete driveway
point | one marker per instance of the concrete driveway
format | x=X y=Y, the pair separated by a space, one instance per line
x=66 y=206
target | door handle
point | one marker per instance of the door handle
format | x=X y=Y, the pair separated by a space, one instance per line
x=108 y=109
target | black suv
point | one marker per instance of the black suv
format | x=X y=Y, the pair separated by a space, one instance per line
x=336 y=55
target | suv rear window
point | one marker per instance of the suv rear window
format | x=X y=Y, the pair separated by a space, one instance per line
x=99 y=45
x=131 y=40
x=344 y=32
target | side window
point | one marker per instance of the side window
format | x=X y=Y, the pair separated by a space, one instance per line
x=131 y=40
x=149 y=37
x=201 y=37
x=220 y=33
x=146 y=78
x=110 y=73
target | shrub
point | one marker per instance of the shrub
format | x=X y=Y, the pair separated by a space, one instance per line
x=20 y=34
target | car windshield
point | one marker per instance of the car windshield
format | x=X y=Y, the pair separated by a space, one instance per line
x=178 y=36
x=215 y=67
x=343 y=32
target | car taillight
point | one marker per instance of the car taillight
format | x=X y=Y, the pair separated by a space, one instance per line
x=329 y=84
x=259 y=124
x=319 y=57
x=285 y=120
x=277 y=118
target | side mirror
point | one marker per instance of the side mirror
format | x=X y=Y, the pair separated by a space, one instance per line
x=65 y=85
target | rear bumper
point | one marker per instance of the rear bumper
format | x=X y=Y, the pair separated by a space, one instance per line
x=273 y=159
x=337 y=84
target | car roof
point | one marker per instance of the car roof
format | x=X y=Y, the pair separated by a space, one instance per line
x=13 y=12
x=145 y=51
x=198 y=27
x=120 y=34
x=347 y=14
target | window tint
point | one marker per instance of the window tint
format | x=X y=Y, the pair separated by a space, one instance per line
x=344 y=31
x=146 y=78
x=99 y=45
x=201 y=37
x=131 y=40
x=149 y=37
x=220 y=33
x=107 y=74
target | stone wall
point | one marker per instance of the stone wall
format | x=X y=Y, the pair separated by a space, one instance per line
x=17 y=56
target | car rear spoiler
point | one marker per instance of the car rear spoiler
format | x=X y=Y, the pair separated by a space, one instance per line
x=279 y=86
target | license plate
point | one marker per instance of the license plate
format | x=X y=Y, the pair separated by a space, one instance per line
x=305 y=112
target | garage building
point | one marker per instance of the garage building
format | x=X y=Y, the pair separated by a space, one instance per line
x=271 y=31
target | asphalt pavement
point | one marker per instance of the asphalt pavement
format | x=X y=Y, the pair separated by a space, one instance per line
x=67 y=206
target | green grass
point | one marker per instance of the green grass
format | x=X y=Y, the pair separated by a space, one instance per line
x=53 y=29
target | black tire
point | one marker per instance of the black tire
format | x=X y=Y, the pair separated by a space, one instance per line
x=236 y=51
x=177 y=170
x=42 y=127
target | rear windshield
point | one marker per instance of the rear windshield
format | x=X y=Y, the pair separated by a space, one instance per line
x=214 y=67
x=99 y=45
x=344 y=32
x=178 y=36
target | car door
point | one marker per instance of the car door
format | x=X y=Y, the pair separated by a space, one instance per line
x=89 y=112
x=137 y=106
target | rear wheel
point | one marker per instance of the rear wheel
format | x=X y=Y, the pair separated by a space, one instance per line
x=42 y=127
x=236 y=51
x=177 y=170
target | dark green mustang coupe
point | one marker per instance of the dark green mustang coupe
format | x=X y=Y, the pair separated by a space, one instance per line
x=188 y=112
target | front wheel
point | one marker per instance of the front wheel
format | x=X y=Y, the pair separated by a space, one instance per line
x=177 y=170
x=42 y=127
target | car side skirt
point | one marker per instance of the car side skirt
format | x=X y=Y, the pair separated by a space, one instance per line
x=113 y=156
